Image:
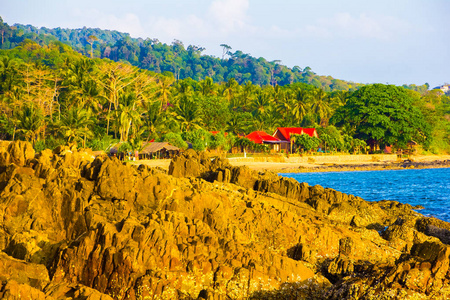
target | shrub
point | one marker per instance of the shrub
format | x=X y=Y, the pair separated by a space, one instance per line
x=176 y=140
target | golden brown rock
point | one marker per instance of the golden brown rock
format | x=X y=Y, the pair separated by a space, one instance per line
x=102 y=229
x=18 y=153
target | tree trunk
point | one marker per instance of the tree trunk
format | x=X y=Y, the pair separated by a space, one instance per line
x=109 y=116
x=127 y=132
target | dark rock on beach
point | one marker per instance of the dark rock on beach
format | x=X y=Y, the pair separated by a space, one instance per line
x=78 y=227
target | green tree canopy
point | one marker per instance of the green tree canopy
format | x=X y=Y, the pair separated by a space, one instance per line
x=48 y=92
x=385 y=114
x=176 y=140
x=305 y=141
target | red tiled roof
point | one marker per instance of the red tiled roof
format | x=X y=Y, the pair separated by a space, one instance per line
x=310 y=131
x=287 y=131
x=259 y=137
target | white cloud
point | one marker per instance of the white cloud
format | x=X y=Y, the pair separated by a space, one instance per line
x=362 y=26
x=129 y=23
x=168 y=29
x=165 y=28
x=222 y=18
x=198 y=25
x=229 y=15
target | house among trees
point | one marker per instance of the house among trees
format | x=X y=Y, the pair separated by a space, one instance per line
x=284 y=135
x=260 y=137
x=281 y=140
x=444 y=88
x=158 y=150
x=114 y=151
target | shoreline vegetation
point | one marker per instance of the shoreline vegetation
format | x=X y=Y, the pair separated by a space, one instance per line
x=51 y=95
x=326 y=163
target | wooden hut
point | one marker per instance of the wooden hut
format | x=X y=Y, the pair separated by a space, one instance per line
x=158 y=150
x=114 y=151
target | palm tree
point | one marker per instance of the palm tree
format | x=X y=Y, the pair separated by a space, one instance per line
x=30 y=122
x=184 y=90
x=82 y=90
x=75 y=125
x=247 y=94
x=320 y=106
x=207 y=87
x=129 y=115
x=78 y=72
x=91 y=99
x=187 y=113
x=153 y=119
x=9 y=90
x=244 y=143
x=8 y=67
x=284 y=110
x=271 y=120
x=338 y=99
x=278 y=94
x=163 y=90
x=240 y=123
x=300 y=106
x=230 y=89
x=262 y=110
x=261 y=104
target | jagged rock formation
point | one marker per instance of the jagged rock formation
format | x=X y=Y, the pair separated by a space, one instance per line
x=74 y=226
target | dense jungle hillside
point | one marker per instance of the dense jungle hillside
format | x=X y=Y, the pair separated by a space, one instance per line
x=188 y=62
x=51 y=94
x=184 y=62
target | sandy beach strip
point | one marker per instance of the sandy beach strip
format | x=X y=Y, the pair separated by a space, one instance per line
x=325 y=163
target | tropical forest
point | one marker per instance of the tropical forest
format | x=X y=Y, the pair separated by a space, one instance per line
x=98 y=88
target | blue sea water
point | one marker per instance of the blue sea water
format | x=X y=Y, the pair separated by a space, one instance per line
x=429 y=188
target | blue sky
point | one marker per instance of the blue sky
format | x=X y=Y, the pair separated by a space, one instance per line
x=384 y=41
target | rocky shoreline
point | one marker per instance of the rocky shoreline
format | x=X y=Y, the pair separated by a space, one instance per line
x=78 y=227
